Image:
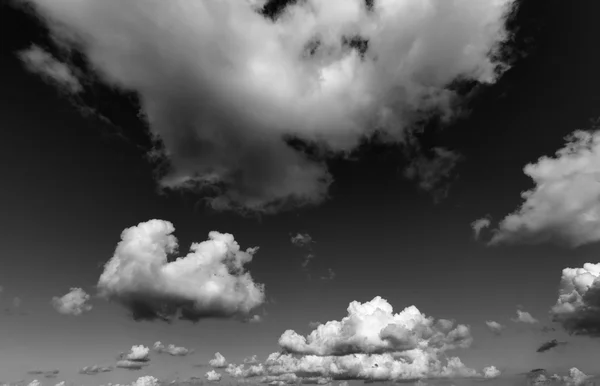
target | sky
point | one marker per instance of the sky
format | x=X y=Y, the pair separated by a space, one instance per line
x=388 y=173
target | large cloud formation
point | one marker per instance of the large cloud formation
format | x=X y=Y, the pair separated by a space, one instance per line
x=564 y=205
x=209 y=282
x=75 y=302
x=578 y=305
x=224 y=87
x=372 y=344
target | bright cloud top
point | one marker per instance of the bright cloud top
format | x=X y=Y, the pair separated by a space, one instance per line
x=372 y=344
x=218 y=361
x=372 y=327
x=564 y=205
x=223 y=111
x=578 y=304
x=73 y=303
x=209 y=281
x=137 y=353
x=213 y=376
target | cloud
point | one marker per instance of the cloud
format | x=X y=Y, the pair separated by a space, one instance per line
x=73 y=303
x=549 y=345
x=254 y=319
x=370 y=344
x=35 y=382
x=524 y=317
x=171 y=349
x=329 y=276
x=218 y=361
x=479 y=225
x=42 y=63
x=213 y=376
x=131 y=365
x=137 y=353
x=494 y=327
x=209 y=282
x=62 y=383
x=95 y=369
x=301 y=240
x=563 y=206
x=328 y=73
x=434 y=172
x=147 y=380
x=577 y=308
x=491 y=372
x=45 y=373
x=251 y=360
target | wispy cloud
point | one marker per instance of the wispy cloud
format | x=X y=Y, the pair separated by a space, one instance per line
x=38 y=61
x=479 y=225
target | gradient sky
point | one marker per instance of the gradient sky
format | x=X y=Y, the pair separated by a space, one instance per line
x=70 y=187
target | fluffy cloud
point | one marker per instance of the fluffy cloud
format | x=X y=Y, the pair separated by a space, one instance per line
x=329 y=73
x=218 y=361
x=42 y=63
x=494 y=327
x=137 y=353
x=563 y=206
x=213 y=376
x=491 y=372
x=171 y=349
x=209 y=281
x=371 y=344
x=524 y=317
x=95 y=369
x=73 y=303
x=479 y=225
x=578 y=305
x=372 y=327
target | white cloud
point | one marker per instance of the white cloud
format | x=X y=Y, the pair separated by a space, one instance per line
x=73 y=303
x=209 y=282
x=62 y=383
x=35 y=382
x=223 y=111
x=524 y=317
x=491 y=372
x=213 y=376
x=372 y=327
x=301 y=240
x=147 y=380
x=251 y=360
x=578 y=305
x=171 y=349
x=218 y=361
x=42 y=63
x=95 y=369
x=479 y=225
x=494 y=327
x=563 y=206
x=137 y=353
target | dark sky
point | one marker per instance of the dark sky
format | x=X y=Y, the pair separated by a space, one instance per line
x=70 y=186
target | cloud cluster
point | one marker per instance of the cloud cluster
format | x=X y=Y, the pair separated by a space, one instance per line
x=524 y=317
x=494 y=327
x=218 y=361
x=73 y=303
x=38 y=61
x=213 y=376
x=563 y=206
x=210 y=281
x=577 y=308
x=224 y=88
x=171 y=349
x=95 y=369
x=372 y=344
x=137 y=358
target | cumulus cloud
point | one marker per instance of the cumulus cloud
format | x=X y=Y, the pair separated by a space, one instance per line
x=40 y=62
x=550 y=345
x=494 y=327
x=210 y=281
x=479 y=225
x=213 y=376
x=218 y=361
x=491 y=372
x=147 y=380
x=577 y=308
x=137 y=353
x=563 y=206
x=328 y=73
x=524 y=317
x=371 y=344
x=171 y=349
x=95 y=369
x=73 y=303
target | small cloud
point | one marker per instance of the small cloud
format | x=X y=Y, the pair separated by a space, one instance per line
x=480 y=224
x=494 y=327
x=213 y=376
x=434 y=171
x=73 y=303
x=210 y=281
x=131 y=365
x=137 y=353
x=251 y=360
x=45 y=373
x=330 y=275
x=254 y=319
x=171 y=349
x=35 y=382
x=524 y=317
x=491 y=372
x=147 y=380
x=42 y=63
x=62 y=383
x=95 y=369
x=302 y=239
x=550 y=345
x=218 y=361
